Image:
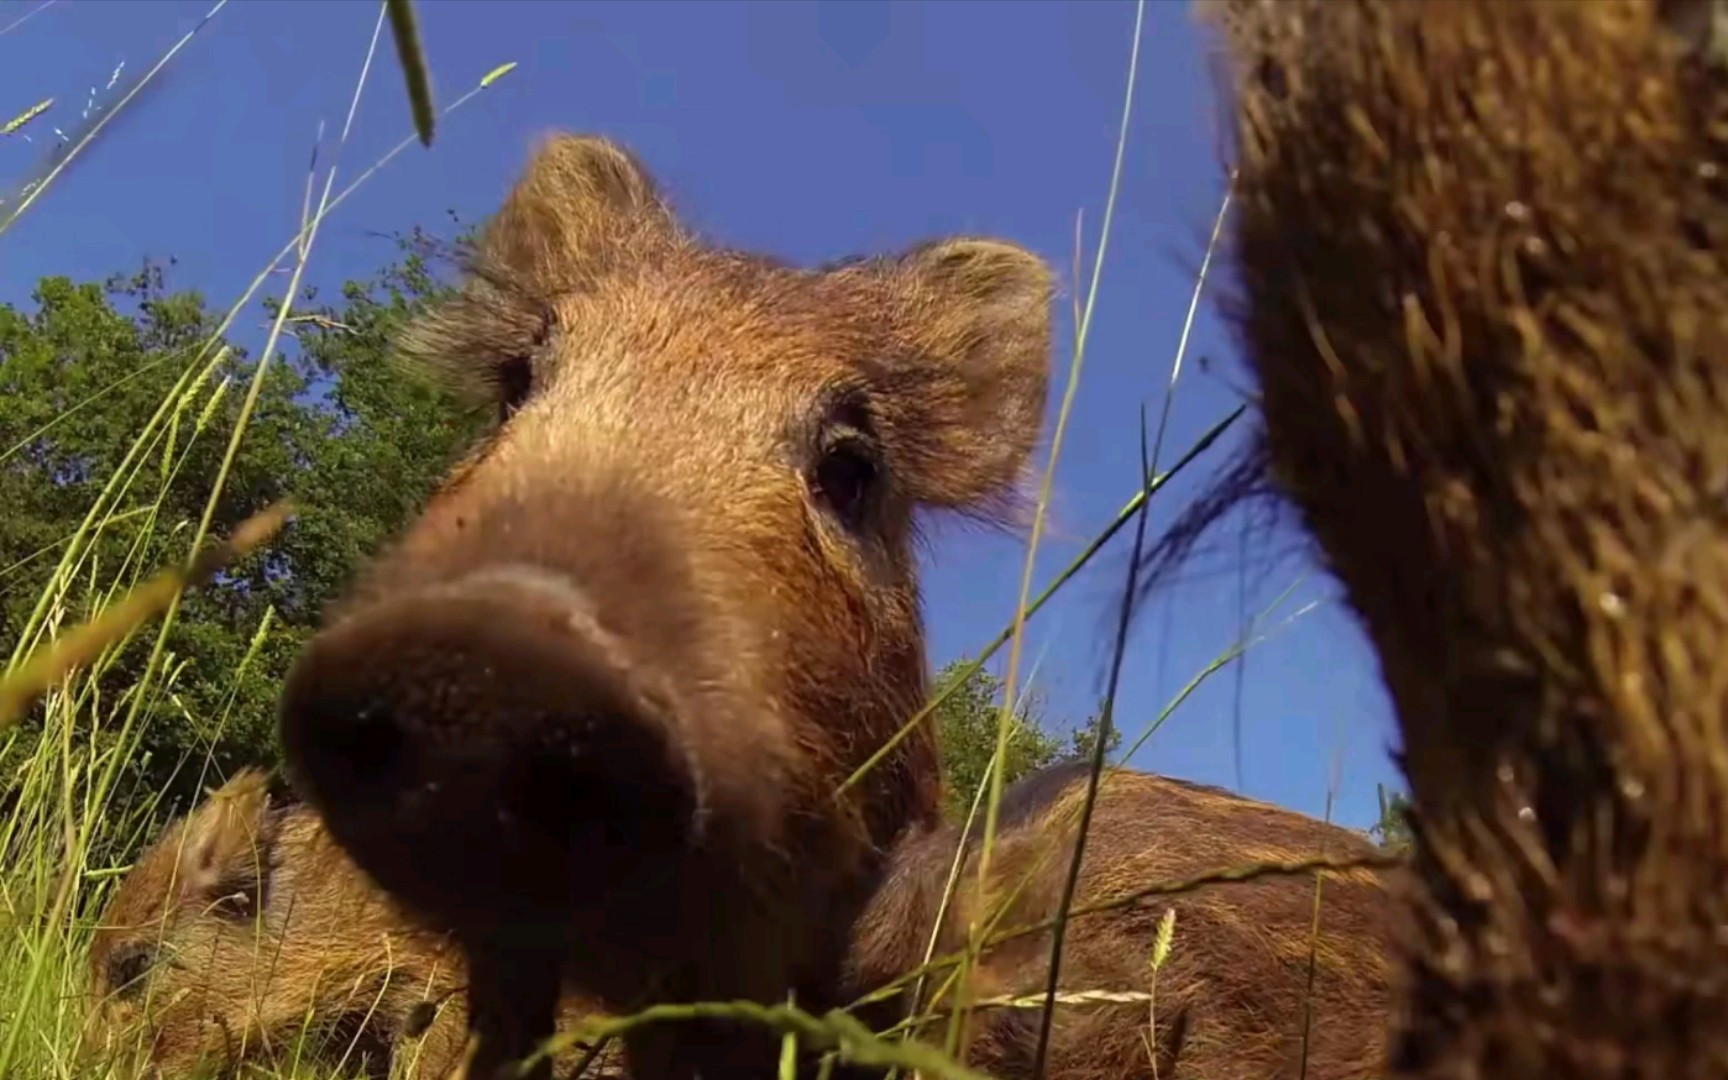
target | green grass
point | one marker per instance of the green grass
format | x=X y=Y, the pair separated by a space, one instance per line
x=75 y=820
x=71 y=817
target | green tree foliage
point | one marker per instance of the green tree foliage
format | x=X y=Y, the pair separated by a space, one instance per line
x=967 y=727
x=1392 y=831
x=356 y=441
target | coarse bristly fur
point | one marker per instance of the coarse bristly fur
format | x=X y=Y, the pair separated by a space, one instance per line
x=242 y=934
x=1232 y=999
x=1481 y=286
x=591 y=711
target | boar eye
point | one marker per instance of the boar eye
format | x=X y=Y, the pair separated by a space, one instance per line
x=515 y=378
x=845 y=477
x=239 y=895
x=127 y=966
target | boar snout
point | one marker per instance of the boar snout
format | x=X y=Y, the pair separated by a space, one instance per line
x=495 y=717
x=486 y=748
x=544 y=736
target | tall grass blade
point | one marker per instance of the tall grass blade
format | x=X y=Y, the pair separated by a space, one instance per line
x=32 y=190
x=405 y=29
x=78 y=647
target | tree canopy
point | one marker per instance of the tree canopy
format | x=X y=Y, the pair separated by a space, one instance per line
x=1392 y=831
x=967 y=724
x=356 y=441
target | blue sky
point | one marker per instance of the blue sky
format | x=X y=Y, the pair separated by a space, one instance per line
x=809 y=130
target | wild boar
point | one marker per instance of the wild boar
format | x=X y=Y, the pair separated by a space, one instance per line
x=1235 y=997
x=242 y=933
x=594 y=712
x=1480 y=251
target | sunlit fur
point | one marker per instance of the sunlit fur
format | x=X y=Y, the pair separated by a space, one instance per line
x=1479 y=247
x=1232 y=1000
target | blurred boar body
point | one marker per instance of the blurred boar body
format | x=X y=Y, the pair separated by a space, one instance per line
x=1480 y=249
x=1232 y=999
x=593 y=710
x=244 y=934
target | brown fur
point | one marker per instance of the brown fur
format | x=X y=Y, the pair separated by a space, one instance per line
x=1231 y=997
x=243 y=927
x=591 y=711
x=1481 y=251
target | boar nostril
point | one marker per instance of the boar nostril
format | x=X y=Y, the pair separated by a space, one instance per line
x=371 y=746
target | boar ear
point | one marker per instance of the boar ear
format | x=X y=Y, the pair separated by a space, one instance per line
x=967 y=397
x=582 y=208
x=224 y=851
x=582 y=205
